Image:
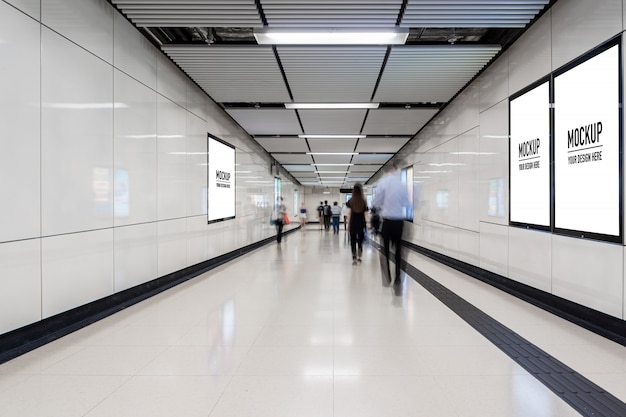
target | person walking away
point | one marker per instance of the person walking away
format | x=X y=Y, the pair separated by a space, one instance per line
x=336 y=214
x=391 y=201
x=303 y=217
x=356 y=222
x=281 y=209
x=328 y=214
x=344 y=215
x=320 y=214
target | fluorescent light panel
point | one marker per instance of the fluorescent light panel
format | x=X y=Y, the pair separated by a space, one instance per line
x=330 y=106
x=332 y=153
x=332 y=136
x=334 y=36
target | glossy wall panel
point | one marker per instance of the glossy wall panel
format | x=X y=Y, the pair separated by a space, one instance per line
x=172 y=246
x=20 y=284
x=494 y=248
x=530 y=58
x=76 y=138
x=76 y=269
x=86 y=23
x=469 y=179
x=171 y=83
x=469 y=247
x=196 y=159
x=20 y=125
x=580 y=25
x=172 y=159
x=494 y=164
x=494 y=83
x=135 y=255
x=197 y=243
x=589 y=273
x=30 y=7
x=530 y=258
x=133 y=54
x=135 y=152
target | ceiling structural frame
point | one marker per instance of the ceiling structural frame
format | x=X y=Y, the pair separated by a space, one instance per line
x=445 y=45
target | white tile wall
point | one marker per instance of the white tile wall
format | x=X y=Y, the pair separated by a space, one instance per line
x=76 y=269
x=530 y=258
x=171 y=83
x=469 y=247
x=530 y=58
x=172 y=159
x=196 y=148
x=20 y=124
x=467 y=109
x=494 y=163
x=133 y=53
x=135 y=255
x=20 y=284
x=197 y=243
x=494 y=248
x=494 y=83
x=86 y=23
x=76 y=138
x=589 y=273
x=172 y=246
x=135 y=152
x=580 y=25
x=30 y=7
x=469 y=179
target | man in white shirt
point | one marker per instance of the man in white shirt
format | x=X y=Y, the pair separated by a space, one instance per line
x=392 y=200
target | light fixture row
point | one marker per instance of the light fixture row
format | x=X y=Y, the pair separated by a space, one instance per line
x=330 y=36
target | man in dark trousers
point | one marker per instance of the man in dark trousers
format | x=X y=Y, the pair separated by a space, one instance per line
x=320 y=214
x=391 y=202
x=328 y=214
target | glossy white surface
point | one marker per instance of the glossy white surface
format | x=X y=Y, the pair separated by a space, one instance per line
x=20 y=284
x=76 y=269
x=494 y=83
x=469 y=247
x=197 y=101
x=20 y=121
x=466 y=109
x=197 y=243
x=88 y=23
x=530 y=258
x=172 y=159
x=136 y=255
x=530 y=58
x=579 y=25
x=172 y=249
x=494 y=163
x=135 y=152
x=76 y=138
x=494 y=248
x=589 y=273
x=133 y=53
x=278 y=333
x=171 y=82
x=196 y=150
x=469 y=179
x=30 y=7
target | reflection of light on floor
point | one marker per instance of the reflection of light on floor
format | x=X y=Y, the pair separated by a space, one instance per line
x=524 y=388
x=318 y=371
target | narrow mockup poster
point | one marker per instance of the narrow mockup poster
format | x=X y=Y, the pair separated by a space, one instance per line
x=530 y=157
x=587 y=146
x=221 y=180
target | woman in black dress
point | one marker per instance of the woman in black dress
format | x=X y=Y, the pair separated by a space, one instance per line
x=356 y=222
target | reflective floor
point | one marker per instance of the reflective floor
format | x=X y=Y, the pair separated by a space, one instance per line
x=295 y=330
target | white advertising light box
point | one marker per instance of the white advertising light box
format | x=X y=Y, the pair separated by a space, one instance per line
x=587 y=135
x=221 y=180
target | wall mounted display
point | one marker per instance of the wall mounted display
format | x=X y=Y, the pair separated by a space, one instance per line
x=529 y=148
x=587 y=146
x=221 y=180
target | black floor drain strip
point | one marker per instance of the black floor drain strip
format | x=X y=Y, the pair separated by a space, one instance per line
x=580 y=393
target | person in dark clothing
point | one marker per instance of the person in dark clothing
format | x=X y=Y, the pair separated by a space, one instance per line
x=328 y=214
x=356 y=222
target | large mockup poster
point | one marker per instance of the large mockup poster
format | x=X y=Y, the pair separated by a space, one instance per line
x=587 y=137
x=529 y=157
x=221 y=180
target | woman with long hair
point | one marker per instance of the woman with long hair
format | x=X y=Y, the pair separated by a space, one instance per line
x=356 y=222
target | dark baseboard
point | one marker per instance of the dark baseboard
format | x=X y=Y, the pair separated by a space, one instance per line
x=600 y=323
x=22 y=340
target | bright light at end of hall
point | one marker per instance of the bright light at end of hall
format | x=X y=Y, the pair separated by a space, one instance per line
x=331 y=136
x=330 y=106
x=332 y=153
x=332 y=36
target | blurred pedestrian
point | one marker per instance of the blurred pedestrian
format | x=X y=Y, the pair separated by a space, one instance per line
x=356 y=222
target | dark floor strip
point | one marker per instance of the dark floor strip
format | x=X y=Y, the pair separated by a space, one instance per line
x=580 y=393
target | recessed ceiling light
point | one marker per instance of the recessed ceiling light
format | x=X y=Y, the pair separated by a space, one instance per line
x=332 y=153
x=332 y=136
x=330 y=106
x=332 y=165
x=332 y=36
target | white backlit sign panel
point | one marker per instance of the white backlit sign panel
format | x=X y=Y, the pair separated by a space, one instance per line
x=221 y=173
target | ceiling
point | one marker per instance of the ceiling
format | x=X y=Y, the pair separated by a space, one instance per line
x=449 y=43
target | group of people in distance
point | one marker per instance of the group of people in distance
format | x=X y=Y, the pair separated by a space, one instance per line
x=390 y=201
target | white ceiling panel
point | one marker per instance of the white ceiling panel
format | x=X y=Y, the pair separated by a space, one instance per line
x=333 y=159
x=360 y=169
x=266 y=121
x=332 y=74
x=293 y=158
x=384 y=145
x=333 y=13
x=336 y=122
x=379 y=158
x=332 y=169
x=458 y=14
x=232 y=73
x=299 y=168
x=191 y=13
x=293 y=144
x=332 y=145
x=397 y=121
x=430 y=73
